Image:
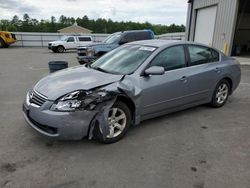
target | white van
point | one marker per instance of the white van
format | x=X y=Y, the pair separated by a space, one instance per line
x=69 y=43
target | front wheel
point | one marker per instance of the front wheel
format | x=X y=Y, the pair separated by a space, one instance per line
x=221 y=94
x=60 y=49
x=119 y=121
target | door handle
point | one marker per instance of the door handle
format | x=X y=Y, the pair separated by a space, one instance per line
x=217 y=70
x=183 y=78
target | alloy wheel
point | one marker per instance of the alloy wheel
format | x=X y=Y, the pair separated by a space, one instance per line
x=222 y=93
x=117 y=122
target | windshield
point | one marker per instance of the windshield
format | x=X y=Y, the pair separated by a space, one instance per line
x=123 y=60
x=112 y=38
x=64 y=38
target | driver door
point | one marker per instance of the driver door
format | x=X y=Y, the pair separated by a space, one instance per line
x=164 y=93
x=71 y=43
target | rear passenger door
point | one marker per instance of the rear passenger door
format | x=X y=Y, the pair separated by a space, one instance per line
x=203 y=72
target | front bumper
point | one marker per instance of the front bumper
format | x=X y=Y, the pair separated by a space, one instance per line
x=86 y=59
x=58 y=125
x=50 y=47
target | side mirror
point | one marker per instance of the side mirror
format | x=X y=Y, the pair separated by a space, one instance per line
x=155 y=70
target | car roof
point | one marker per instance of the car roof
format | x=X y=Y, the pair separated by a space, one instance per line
x=135 y=31
x=76 y=35
x=163 y=43
x=156 y=42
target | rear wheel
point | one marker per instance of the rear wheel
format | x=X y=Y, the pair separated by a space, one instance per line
x=221 y=94
x=60 y=49
x=119 y=121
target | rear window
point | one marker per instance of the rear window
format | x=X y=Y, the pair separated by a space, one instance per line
x=201 y=55
x=83 y=39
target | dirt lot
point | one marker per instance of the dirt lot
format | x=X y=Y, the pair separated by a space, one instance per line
x=196 y=148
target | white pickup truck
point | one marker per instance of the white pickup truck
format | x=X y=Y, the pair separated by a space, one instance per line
x=69 y=43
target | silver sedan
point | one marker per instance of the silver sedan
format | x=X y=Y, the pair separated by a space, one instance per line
x=135 y=82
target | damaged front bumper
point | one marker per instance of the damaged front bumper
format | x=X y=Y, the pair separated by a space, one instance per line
x=66 y=125
x=58 y=125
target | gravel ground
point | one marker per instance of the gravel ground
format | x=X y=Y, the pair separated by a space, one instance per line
x=196 y=148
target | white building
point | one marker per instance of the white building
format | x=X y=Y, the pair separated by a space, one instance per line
x=224 y=24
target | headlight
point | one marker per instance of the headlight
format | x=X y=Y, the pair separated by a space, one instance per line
x=80 y=100
x=28 y=98
x=69 y=102
x=90 y=52
x=68 y=106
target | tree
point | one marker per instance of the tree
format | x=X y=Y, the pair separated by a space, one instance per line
x=99 y=25
x=15 y=20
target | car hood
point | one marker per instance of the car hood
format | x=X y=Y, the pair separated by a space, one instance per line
x=62 y=82
x=56 y=42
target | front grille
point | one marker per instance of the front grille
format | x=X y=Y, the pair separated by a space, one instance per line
x=37 y=98
x=45 y=128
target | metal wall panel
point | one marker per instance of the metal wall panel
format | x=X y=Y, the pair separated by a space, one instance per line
x=225 y=21
x=26 y=39
x=172 y=36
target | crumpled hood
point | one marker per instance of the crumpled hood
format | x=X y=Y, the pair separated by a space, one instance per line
x=62 y=82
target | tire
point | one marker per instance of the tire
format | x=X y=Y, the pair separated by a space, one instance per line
x=60 y=49
x=2 y=43
x=220 y=94
x=124 y=124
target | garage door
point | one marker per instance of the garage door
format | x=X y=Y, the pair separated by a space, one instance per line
x=205 y=22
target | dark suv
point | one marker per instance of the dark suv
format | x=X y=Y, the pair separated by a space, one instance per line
x=89 y=53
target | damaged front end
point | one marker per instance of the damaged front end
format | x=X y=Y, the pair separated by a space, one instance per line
x=97 y=101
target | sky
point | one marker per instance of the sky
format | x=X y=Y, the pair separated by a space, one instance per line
x=157 y=12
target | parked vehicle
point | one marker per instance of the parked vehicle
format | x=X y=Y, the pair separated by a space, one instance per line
x=6 y=39
x=89 y=53
x=69 y=43
x=135 y=82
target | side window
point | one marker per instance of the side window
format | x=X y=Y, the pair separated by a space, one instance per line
x=142 y=36
x=200 y=55
x=171 y=58
x=129 y=37
x=71 y=39
x=215 y=55
x=84 y=39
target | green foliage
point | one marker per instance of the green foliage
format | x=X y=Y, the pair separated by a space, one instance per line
x=28 y=24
